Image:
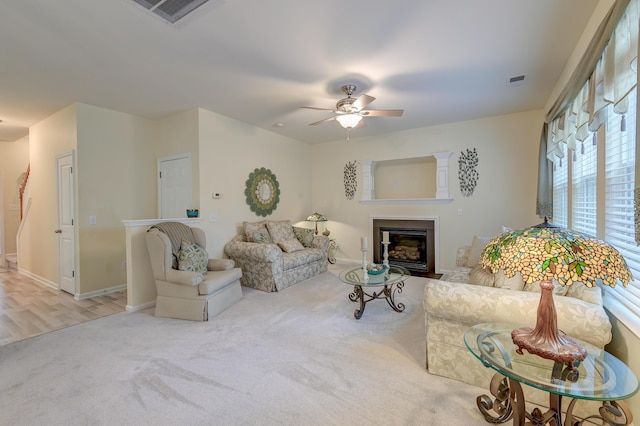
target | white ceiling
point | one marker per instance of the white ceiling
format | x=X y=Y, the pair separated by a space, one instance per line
x=259 y=61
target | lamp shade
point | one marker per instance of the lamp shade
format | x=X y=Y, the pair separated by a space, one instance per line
x=349 y=121
x=316 y=217
x=547 y=253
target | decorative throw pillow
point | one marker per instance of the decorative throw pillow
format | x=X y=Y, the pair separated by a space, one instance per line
x=289 y=246
x=558 y=288
x=304 y=235
x=477 y=245
x=192 y=257
x=280 y=231
x=260 y=236
x=513 y=283
x=480 y=275
x=582 y=292
x=251 y=227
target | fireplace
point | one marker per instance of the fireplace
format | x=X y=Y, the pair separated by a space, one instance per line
x=411 y=244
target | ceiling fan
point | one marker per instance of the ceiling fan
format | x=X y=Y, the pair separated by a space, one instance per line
x=350 y=111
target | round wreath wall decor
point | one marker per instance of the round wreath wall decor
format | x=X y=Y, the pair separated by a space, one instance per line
x=262 y=191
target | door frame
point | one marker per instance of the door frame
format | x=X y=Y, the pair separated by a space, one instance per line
x=73 y=259
x=184 y=155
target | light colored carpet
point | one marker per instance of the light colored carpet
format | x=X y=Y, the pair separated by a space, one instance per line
x=297 y=357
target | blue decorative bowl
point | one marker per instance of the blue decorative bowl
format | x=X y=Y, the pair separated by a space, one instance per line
x=192 y=212
x=376 y=271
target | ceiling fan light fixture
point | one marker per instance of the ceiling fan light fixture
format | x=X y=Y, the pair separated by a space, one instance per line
x=349 y=121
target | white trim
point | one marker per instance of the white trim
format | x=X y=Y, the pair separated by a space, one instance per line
x=408 y=201
x=149 y=222
x=436 y=232
x=136 y=308
x=101 y=292
x=38 y=278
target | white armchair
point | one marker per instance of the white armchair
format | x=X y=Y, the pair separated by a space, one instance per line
x=187 y=294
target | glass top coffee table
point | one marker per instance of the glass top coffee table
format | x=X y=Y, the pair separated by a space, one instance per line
x=391 y=281
x=599 y=377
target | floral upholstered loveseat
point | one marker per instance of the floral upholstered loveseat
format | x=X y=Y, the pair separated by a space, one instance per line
x=470 y=295
x=276 y=255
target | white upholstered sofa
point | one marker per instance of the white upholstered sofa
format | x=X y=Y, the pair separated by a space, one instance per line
x=468 y=296
x=277 y=255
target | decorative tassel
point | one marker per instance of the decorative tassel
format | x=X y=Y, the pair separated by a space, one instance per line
x=595 y=139
x=575 y=156
x=560 y=162
x=582 y=148
x=623 y=124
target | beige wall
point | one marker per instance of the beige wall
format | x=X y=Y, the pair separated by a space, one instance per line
x=14 y=160
x=229 y=151
x=38 y=244
x=116 y=180
x=178 y=134
x=507 y=149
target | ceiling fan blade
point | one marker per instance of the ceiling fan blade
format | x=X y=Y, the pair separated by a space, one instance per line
x=362 y=101
x=382 y=112
x=326 y=120
x=320 y=109
x=361 y=124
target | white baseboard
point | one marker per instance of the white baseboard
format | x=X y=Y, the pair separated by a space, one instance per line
x=101 y=292
x=141 y=307
x=38 y=278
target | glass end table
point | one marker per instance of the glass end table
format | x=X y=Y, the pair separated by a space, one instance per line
x=599 y=377
x=391 y=281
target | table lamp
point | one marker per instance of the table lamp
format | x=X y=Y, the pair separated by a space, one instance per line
x=544 y=253
x=316 y=217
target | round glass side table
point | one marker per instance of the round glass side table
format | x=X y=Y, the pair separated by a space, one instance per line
x=600 y=377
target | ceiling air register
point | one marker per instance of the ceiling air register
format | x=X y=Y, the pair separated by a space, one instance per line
x=170 y=10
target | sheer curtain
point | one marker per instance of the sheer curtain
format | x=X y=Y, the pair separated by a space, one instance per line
x=606 y=75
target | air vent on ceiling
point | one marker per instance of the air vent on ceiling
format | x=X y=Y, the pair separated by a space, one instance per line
x=170 y=10
x=517 y=80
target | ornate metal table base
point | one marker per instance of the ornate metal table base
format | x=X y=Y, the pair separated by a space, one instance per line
x=508 y=403
x=388 y=293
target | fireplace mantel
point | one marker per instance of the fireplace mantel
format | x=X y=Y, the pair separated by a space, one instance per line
x=442 y=193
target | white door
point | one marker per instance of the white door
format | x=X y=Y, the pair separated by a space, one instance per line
x=174 y=186
x=66 y=225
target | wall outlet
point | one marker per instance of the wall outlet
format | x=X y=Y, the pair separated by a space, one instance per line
x=213 y=218
x=124 y=265
x=92 y=220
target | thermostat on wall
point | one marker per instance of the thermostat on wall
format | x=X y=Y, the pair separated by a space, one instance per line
x=216 y=195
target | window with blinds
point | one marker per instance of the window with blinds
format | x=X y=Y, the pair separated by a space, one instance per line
x=560 y=193
x=584 y=173
x=619 y=210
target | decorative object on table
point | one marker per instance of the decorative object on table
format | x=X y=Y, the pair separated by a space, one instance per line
x=262 y=191
x=192 y=213
x=467 y=172
x=316 y=217
x=350 y=182
x=364 y=247
x=326 y=232
x=385 y=253
x=375 y=269
x=548 y=253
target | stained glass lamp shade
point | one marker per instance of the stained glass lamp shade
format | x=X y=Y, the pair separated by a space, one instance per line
x=316 y=217
x=547 y=253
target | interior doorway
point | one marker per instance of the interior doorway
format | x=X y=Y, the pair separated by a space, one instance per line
x=66 y=225
x=174 y=186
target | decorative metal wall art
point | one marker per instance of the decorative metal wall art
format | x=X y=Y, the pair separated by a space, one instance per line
x=350 y=182
x=467 y=173
x=262 y=191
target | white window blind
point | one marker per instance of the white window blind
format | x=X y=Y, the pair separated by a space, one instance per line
x=584 y=168
x=560 y=193
x=619 y=211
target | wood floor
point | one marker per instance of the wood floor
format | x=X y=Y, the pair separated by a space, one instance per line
x=28 y=308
